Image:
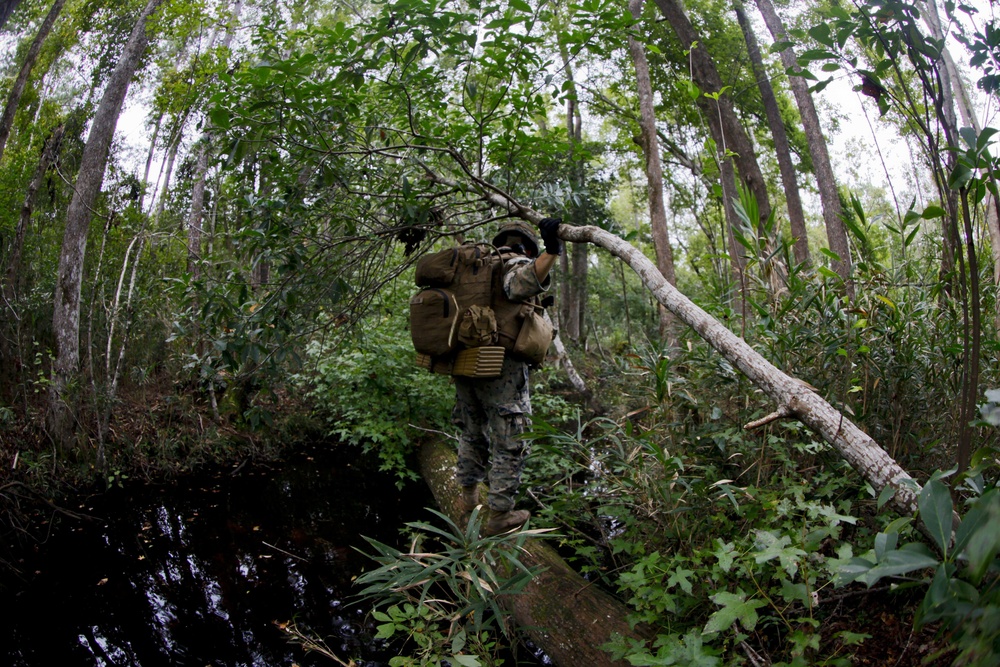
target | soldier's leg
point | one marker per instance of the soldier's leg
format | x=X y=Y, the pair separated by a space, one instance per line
x=509 y=449
x=473 y=445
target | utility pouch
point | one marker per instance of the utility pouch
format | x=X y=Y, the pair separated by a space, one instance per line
x=478 y=327
x=436 y=269
x=434 y=320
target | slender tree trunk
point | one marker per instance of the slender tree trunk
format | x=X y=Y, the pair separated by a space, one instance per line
x=167 y=169
x=149 y=160
x=836 y=233
x=6 y=9
x=796 y=217
x=654 y=171
x=49 y=153
x=737 y=256
x=66 y=315
x=21 y=82
x=576 y=276
x=566 y=311
x=197 y=207
x=727 y=130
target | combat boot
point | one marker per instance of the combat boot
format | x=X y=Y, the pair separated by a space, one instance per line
x=469 y=498
x=501 y=522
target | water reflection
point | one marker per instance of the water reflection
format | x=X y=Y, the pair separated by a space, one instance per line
x=196 y=573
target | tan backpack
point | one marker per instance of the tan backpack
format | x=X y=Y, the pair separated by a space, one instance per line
x=461 y=307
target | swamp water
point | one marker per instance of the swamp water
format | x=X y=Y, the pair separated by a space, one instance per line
x=198 y=573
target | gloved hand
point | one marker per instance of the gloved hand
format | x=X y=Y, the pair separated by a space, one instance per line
x=549 y=228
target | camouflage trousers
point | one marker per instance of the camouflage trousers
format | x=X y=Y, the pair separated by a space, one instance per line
x=493 y=414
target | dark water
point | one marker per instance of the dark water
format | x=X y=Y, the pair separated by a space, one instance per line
x=198 y=572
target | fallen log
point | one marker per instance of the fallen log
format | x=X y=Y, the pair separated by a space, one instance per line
x=560 y=611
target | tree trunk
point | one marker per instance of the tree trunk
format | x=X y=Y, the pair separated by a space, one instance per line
x=706 y=76
x=654 y=171
x=796 y=217
x=565 y=615
x=574 y=274
x=836 y=233
x=197 y=208
x=728 y=132
x=21 y=82
x=149 y=161
x=66 y=308
x=6 y=9
x=14 y=279
x=201 y=169
x=562 y=359
x=580 y=265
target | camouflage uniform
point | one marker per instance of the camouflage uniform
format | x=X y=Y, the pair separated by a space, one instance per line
x=493 y=413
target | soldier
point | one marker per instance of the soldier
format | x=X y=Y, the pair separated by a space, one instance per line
x=494 y=413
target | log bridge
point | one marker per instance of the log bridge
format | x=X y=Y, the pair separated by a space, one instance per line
x=561 y=612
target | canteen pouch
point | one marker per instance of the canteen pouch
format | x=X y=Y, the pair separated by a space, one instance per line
x=534 y=338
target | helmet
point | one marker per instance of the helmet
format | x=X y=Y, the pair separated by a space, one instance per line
x=522 y=230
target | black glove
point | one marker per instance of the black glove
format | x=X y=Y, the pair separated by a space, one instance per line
x=549 y=227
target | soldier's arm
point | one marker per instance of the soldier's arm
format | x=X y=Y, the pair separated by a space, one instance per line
x=543 y=265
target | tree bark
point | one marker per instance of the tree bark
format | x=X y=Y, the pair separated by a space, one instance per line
x=562 y=613
x=732 y=135
x=836 y=233
x=197 y=208
x=562 y=358
x=66 y=308
x=961 y=100
x=575 y=267
x=201 y=169
x=654 y=171
x=796 y=217
x=21 y=82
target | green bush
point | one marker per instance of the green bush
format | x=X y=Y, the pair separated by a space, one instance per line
x=369 y=392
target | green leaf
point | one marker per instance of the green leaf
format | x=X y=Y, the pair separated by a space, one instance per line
x=829 y=253
x=385 y=631
x=959 y=176
x=773 y=546
x=681 y=577
x=888 y=491
x=968 y=135
x=910 y=558
x=726 y=554
x=977 y=537
x=735 y=607
x=467 y=660
x=936 y=512
x=932 y=212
